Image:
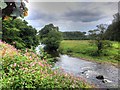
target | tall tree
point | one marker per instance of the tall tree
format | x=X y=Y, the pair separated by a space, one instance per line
x=97 y=36
x=19 y=34
x=51 y=37
x=113 y=31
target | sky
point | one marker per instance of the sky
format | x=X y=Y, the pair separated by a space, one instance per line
x=71 y=16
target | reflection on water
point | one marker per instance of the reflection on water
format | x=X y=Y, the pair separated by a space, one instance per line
x=89 y=71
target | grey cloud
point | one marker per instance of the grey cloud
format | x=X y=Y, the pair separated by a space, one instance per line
x=41 y=16
x=84 y=16
x=84 y=12
x=71 y=16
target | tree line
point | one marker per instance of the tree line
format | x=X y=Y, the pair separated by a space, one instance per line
x=76 y=35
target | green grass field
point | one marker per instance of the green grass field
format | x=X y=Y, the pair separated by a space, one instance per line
x=84 y=49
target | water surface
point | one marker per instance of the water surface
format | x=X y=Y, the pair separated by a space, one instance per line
x=89 y=70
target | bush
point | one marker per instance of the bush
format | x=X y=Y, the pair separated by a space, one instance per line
x=69 y=50
x=51 y=37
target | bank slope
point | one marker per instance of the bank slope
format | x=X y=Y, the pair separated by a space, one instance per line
x=27 y=70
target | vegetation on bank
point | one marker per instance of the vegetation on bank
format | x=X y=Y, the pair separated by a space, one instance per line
x=87 y=50
x=28 y=70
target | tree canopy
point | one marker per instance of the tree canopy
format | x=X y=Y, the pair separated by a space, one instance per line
x=19 y=34
x=51 y=37
x=113 y=31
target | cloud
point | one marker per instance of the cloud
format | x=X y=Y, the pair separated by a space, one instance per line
x=84 y=16
x=41 y=16
x=70 y=16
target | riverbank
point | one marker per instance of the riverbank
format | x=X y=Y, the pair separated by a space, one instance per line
x=84 y=50
x=28 y=70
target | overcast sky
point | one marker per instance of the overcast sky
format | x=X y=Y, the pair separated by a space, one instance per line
x=71 y=16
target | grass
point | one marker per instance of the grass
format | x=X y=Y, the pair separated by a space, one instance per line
x=27 y=70
x=84 y=49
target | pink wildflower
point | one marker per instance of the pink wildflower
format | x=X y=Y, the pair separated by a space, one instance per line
x=32 y=64
x=40 y=64
x=15 y=65
x=55 y=72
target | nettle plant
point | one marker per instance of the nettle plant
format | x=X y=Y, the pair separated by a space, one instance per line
x=13 y=9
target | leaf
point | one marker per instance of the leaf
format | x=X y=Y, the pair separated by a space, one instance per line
x=23 y=4
x=18 y=4
x=3 y=4
x=16 y=12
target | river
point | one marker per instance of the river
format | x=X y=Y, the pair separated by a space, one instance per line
x=89 y=71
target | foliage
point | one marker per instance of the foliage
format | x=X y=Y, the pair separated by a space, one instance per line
x=19 y=34
x=13 y=9
x=74 y=35
x=98 y=35
x=113 y=32
x=27 y=70
x=0 y=33
x=51 y=37
x=84 y=49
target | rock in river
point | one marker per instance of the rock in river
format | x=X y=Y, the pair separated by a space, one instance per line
x=100 y=77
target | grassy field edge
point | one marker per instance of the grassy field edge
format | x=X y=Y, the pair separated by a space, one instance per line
x=83 y=50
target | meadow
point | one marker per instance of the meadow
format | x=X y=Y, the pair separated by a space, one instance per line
x=85 y=49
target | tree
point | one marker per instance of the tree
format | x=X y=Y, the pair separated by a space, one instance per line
x=19 y=34
x=51 y=37
x=113 y=30
x=98 y=36
x=92 y=34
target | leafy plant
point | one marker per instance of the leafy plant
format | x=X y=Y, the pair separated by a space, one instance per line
x=27 y=70
x=13 y=9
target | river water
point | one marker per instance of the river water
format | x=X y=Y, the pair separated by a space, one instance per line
x=89 y=70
